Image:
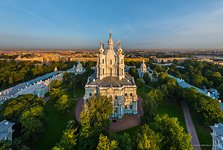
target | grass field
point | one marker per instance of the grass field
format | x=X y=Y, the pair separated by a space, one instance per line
x=203 y=133
x=172 y=109
x=56 y=123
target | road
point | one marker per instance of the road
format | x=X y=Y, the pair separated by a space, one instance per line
x=190 y=126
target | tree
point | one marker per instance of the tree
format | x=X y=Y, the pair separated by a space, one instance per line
x=5 y=145
x=94 y=120
x=124 y=141
x=105 y=144
x=55 y=84
x=220 y=90
x=58 y=148
x=147 y=139
x=13 y=108
x=217 y=78
x=69 y=139
x=134 y=72
x=173 y=135
x=146 y=78
x=62 y=103
x=56 y=93
x=162 y=78
x=150 y=104
x=32 y=121
x=208 y=109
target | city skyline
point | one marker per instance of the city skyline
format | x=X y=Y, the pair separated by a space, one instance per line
x=81 y=24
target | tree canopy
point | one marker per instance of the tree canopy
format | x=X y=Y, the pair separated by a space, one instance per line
x=172 y=134
x=94 y=119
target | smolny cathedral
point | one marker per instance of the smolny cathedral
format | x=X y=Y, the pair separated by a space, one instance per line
x=111 y=80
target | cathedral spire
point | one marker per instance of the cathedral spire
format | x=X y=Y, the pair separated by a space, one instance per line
x=110 y=42
x=119 y=47
x=101 y=50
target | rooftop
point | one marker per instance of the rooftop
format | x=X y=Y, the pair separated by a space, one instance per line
x=13 y=90
x=4 y=125
x=111 y=81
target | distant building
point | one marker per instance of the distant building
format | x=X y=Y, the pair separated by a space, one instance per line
x=168 y=60
x=215 y=93
x=6 y=130
x=32 y=59
x=144 y=69
x=111 y=80
x=77 y=70
x=55 y=69
x=217 y=136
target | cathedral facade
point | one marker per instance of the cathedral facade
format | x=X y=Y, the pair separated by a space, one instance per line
x=111 y=80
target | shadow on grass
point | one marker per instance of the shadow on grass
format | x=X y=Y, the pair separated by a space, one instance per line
x=172 y=109
x=203 y=133
x=56 y=123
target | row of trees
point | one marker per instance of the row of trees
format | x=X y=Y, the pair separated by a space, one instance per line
x=200 y=74
x=58 y=94
x=27 y=111
x=13 y=72
x=207 y=109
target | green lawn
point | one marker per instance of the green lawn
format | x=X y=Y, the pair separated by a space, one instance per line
x=172 y=109
x=203 y=132
x=56 y=121
x=55 y=125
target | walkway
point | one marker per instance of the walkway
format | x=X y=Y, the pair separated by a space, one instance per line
x=190 y=126
x=78 y=109
x=128 y=121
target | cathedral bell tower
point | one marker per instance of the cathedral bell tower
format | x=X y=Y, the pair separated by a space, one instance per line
x=121 y=65
x=110 y=63
x=110 y=42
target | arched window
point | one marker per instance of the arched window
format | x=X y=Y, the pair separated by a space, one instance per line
x=103 y=70
x=116 y=109
x=121 y=61
x=116 y=97
x=90 y=94
x=103 y=61
x=111 y=71
x=110 y=62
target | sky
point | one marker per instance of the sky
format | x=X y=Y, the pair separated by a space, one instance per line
x=139 y=24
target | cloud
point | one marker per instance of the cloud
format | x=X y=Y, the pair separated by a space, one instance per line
x=203 y=29
x=12 y=4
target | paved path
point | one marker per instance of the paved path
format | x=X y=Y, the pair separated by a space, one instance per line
x=78 y=109
x=128 y=121
x=190 y=126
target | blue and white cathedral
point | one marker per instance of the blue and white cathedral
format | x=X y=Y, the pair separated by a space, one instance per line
x=111 y=80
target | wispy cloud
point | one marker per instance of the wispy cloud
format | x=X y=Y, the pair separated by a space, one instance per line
x=28 y=12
